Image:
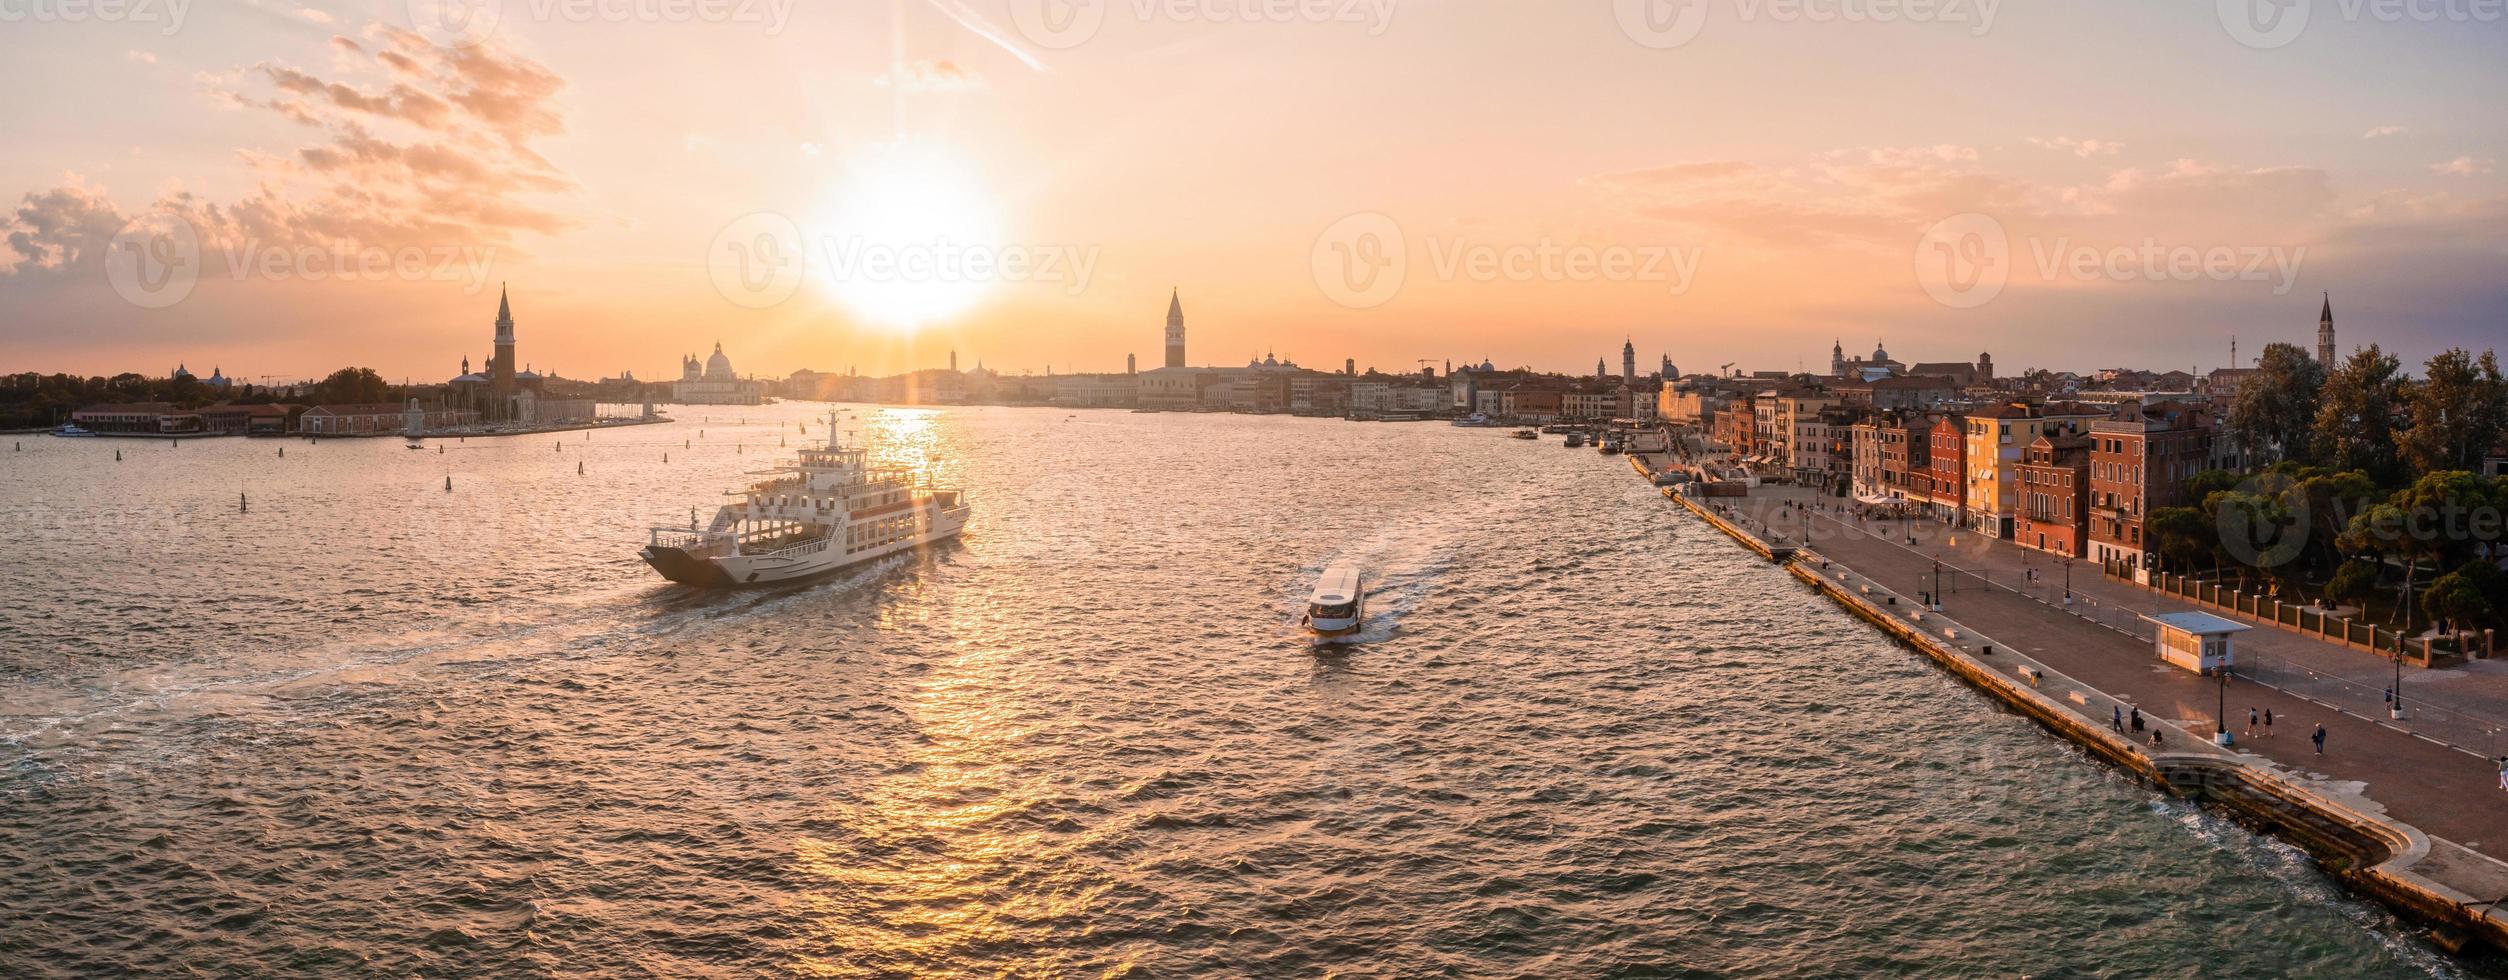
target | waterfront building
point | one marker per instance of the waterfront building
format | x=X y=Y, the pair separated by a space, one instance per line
x=139 y=418
x=1997 y=438
x=1944 y=490
x=1097 y=390
x=490 y=392
x=2054 y=481
x=715 y=383
x=378 y=419
x=252 y=420
x=2139 y=462
x=1887 y=394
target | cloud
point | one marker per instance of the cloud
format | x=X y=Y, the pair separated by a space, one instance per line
x=418 y=145
x=2079 y=148
x=2462 y=167
x=2382 y=132
x=931 y=76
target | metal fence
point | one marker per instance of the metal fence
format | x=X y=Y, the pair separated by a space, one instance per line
x=2300 y=619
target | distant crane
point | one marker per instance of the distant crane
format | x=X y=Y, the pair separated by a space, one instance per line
x=1727 y=368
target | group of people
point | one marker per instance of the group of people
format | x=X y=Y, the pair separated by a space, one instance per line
x=2121 y=721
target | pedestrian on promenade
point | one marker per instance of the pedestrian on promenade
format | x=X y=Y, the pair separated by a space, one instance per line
x=2268 y=723
x=2319 y=738
x=2251 y=721
x=2503 y=773
x=2155 y=738
x=2390 y=694
x=2137 y=717
x=2117 y=721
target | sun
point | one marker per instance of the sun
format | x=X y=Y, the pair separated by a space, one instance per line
x=910 y=237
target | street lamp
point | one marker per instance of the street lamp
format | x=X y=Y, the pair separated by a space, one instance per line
x=2068 y=581
x=1937 y=583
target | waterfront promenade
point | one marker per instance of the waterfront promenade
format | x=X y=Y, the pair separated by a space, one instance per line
x=2095 y=658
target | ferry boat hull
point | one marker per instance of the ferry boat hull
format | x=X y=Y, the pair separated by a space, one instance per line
x=694 y=567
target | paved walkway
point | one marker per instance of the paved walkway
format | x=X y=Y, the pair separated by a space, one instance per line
x=2446 y=791
x=2465 y=706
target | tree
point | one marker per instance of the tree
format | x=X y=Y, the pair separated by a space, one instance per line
x=2352 y=584
x=2458 y=412
x=2464 y=597
x=2179 y=534
x=2274 y=414
x=2355 y=426
x=352 y=386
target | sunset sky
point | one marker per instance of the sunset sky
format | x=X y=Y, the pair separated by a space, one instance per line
x=1744 y=194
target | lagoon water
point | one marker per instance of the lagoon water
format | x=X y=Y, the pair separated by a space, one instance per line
x=370 y=725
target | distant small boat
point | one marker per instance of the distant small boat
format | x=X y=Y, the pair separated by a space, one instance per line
x=73 y=431
x=1339 y=603
x=1476 y=420
x=1524 y=434
x=1575 y=440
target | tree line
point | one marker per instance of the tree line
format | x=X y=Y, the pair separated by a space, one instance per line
x=2372 y=496
x=32 y=400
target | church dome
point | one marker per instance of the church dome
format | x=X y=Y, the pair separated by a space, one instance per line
x=1880 y=353
x=718 y=367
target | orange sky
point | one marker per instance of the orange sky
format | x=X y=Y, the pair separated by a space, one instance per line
x=1525 y=183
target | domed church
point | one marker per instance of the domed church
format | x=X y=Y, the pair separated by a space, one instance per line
x=714 y=382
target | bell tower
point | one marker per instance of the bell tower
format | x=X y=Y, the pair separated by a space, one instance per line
x=501 y=373
x=1175 y=330
x=2325 y=334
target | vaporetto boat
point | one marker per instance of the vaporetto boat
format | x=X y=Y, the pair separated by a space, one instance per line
x=827 y=510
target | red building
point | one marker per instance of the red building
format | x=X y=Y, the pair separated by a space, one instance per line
x=2140 y=462
x=2054 y=482
x=1944 y=481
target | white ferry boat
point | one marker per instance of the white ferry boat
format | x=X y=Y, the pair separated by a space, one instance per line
x=72 y=431
x=826 y=510
x=1476 y=420
x=1338 y=606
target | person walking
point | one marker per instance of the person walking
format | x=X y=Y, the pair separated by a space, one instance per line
x=2117 y=721
x=2268 y=723
x=2137 y=719
x=2319 y=738
x=2503 y=773
x=2251 y=721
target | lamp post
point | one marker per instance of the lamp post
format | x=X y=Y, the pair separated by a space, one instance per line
x=2394 y=708
x=1937 y=583
x=2068 y=581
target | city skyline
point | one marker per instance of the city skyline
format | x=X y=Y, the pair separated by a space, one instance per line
x=1748 y=227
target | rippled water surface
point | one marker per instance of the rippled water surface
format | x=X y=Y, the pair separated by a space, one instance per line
x=372 y=725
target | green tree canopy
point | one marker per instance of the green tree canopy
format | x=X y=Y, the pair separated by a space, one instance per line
x=2458 y=412
x=2274 y=415
x=2356 y=417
